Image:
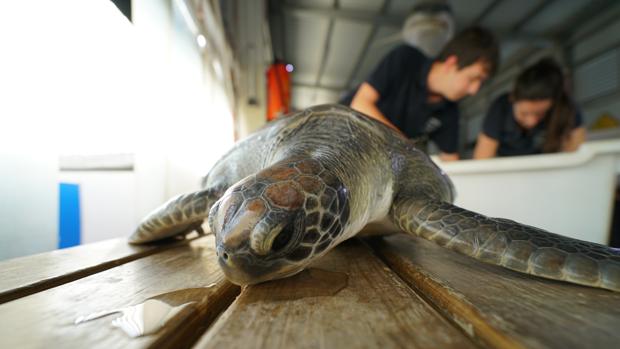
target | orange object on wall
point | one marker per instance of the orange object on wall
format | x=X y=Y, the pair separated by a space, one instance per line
x=278 y=91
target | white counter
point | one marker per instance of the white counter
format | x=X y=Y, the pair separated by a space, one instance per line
x=566 y=193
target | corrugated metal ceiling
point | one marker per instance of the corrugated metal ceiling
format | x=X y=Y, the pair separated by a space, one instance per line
x=333 y=44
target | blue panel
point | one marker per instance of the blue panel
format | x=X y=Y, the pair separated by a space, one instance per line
x=69 y=220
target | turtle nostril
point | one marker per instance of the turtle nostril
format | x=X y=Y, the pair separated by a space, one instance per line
x=225 y=255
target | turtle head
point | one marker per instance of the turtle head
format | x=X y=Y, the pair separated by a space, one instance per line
x=274 y=223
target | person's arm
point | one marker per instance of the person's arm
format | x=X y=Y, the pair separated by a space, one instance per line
x=486 y=147
x=490 y=135
x=575 y=139
x=448 y=156
x=446 y=137
x=365 y=101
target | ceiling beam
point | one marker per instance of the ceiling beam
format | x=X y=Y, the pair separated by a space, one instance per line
x=353 y=15
x=490 y=7
x=277 y=30
x=597 y=8
x=605 y=12
x=319 y=87
x=282 y=34
x=326 y=48
x=533 y=40
x=530 y=15
x=367 y=42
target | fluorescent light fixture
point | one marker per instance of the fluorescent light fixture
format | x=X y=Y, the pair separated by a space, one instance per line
x=201 y=40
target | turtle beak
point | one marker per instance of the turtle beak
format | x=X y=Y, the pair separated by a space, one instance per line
x=244 y=269
x=235 y=219
x=238 y=230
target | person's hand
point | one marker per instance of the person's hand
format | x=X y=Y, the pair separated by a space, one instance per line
x=448 y=156
x=486 y=147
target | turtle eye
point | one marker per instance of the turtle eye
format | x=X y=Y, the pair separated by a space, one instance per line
x=284 y=237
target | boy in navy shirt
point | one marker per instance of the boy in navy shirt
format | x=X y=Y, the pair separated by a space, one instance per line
x=417 y=96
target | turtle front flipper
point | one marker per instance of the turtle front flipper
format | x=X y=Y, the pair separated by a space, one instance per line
x=180 y=215
x=510 y=244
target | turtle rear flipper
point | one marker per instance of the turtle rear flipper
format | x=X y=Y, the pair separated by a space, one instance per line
x=180 y=215
x=510 y=244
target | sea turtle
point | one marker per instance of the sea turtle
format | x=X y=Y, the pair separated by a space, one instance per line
x=292 y=191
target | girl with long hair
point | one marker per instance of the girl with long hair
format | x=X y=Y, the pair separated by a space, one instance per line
x=536 y=117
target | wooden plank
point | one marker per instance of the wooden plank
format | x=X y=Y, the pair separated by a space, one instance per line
x=23 y=276
x=500 y=307
x=176 y=276
x=348 y=299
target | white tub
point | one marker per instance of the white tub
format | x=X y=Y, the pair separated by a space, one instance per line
x=569 y=193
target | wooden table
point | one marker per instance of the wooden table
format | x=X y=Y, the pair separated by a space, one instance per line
x=390 y=292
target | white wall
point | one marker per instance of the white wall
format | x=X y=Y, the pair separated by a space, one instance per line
x=107 y=203
x=254 y=49
x=28 y=203
x=79 y=79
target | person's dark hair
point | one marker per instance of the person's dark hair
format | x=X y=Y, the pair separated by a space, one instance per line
x=545 y=80
x=472 y=45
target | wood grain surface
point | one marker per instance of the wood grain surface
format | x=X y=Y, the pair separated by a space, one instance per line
x=348 y=299
x=184 y=273
x=23 y=276
x=500 y=307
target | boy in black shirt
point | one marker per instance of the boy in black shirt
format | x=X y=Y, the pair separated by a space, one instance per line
x=417 y=96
